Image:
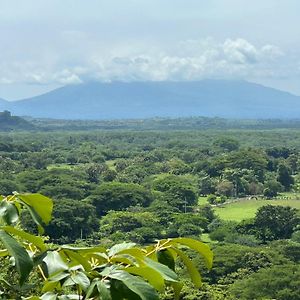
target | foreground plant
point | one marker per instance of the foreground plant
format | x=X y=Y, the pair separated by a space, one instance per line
x=124 y=271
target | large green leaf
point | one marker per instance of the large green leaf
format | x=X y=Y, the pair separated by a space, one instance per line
x=124 y=259
x=101 y=287
x=165 y=271
x=24 y=263
x=8 y=212
x=193 y=272
x=165 y=257
x=55 y=264
x=84 y=250
x=81 y=279
x=120 y=247
x=39 y=206
x=103 y=291
x=35 y=240
x=74 y=256
x=200 y=247
x=131 y=256
x=90 y=290
x=151 y=275
x=135 y=252
x=59 y=276
x=143 y=289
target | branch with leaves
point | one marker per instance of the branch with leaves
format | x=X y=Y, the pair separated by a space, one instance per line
x=124 y=271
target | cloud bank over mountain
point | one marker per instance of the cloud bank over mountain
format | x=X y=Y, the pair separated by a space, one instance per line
x=51 y=43
x=186 y=60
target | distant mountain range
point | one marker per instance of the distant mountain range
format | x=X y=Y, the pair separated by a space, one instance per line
x=132 y=100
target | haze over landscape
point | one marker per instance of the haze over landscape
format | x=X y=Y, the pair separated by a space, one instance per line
x=150 y=46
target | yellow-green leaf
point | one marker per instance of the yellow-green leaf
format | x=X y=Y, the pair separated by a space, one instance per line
x=151 y=275
x=200 y=247
x=193 y=272
x=50 y=286
x=165 y=271
x=35 y=240
x=40 y=207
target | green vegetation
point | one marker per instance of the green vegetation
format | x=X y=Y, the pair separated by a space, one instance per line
x=165 y=124
x=122 y=271
x=235 y=189
x=13 y=123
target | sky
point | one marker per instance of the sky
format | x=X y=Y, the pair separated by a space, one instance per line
x=45 y=44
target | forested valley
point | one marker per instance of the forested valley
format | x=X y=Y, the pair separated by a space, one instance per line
x=236 y=188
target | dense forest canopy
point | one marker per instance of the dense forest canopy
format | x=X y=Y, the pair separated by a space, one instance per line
x=236 y=189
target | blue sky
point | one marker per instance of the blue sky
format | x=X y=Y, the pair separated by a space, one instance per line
x=50 y=43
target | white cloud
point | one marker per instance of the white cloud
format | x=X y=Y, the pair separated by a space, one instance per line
x=186 y=60
x=240 y=51
x=67 y=77
x=271 y=52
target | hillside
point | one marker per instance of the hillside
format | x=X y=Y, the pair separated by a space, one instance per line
x=121 y=100
x=9 y=122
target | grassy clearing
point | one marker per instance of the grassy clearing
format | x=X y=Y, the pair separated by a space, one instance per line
x=202 y=200
x=63 y=166
x=111 y=164
x=246 y=209
x=206 y=239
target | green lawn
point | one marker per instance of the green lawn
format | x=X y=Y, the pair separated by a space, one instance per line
x=246 y=209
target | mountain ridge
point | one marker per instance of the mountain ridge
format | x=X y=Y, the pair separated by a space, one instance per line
x=127 y=100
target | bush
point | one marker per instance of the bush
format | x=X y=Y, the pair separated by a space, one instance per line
x=296 y=236
x=119 y=196
x=212 y=199
x=278 y=282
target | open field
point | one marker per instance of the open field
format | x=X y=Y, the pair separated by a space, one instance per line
x=246 y=209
